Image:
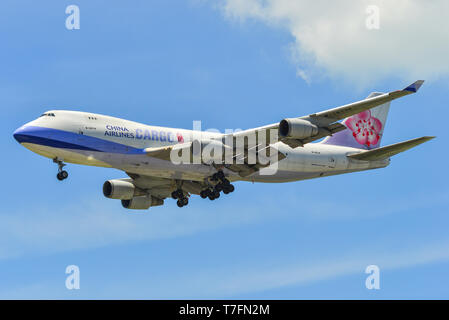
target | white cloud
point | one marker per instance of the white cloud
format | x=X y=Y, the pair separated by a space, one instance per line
x=332 y=40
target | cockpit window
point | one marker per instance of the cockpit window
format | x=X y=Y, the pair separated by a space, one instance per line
x=47 y=115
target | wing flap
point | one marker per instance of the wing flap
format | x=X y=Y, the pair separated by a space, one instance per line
x=388 y=151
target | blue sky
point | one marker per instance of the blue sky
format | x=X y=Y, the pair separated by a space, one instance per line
x=230 y=66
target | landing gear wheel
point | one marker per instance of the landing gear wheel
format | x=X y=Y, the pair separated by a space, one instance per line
x=180 y=203
x=203 y=194
x=220 y=175
x=177 y=194
x=219 y=187
x=64 y=174
x=216 y=194
x=228 y=189
x=185 y=201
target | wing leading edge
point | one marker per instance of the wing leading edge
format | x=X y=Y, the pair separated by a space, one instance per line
x=348 y=110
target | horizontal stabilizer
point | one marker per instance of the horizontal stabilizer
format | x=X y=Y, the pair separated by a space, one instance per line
x=388 y=151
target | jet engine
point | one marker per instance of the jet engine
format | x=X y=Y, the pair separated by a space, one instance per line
x=142 y=202
x=119 y=189
x=297 y=129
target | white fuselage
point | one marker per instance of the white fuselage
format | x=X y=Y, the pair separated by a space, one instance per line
x=98 y=140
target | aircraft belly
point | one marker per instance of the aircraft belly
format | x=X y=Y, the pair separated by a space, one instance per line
x=140 y=164
x=282 y=176
x=90 y=158
x=305 y=163
x=290 y=176
x=313 y=161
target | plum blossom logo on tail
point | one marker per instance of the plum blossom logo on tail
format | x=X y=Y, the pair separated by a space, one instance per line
x=365 y=128
x=180 y=137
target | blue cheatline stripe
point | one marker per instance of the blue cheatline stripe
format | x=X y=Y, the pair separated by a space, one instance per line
x=70 y=140
x=23 y=138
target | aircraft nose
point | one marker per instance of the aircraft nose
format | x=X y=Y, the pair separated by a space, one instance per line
x=21 y=134
x=18 y=133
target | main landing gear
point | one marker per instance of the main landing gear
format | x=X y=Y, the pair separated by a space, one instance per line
x=62 y=174
x=182 y=199
x=217 y=183
x=223 y=184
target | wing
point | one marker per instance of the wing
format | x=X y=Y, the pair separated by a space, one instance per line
x=244 y=160
x=162 y=188
x=348 y=110
x=158 y=187
x=326 y=121
x=164 y=152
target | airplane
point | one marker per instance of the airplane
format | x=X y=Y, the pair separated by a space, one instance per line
x=346 y=139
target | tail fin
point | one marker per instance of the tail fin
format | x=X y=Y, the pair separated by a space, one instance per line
x=365 y=129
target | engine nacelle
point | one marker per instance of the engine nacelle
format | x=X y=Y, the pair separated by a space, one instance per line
x=297 y=129
x=119 y=189
x=142 y=202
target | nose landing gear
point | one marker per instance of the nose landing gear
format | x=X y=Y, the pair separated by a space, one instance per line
x=62 y=174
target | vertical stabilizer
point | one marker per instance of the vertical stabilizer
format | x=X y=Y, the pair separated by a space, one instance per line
x=364 y=130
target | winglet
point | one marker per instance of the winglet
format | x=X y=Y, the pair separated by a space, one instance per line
x=414 y=87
